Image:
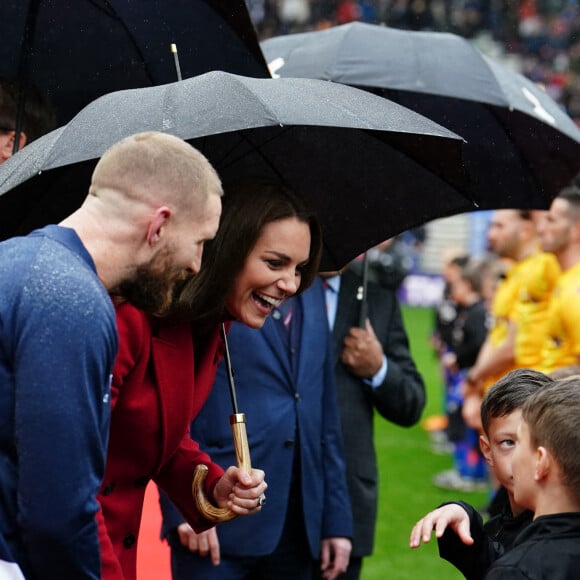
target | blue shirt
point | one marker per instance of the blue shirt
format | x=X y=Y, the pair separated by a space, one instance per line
x=58 y=343
x=332 y=288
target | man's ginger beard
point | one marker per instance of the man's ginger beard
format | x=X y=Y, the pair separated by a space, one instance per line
x=153 y=287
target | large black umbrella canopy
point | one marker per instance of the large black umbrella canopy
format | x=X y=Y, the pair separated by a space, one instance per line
x=521 y=147
x=369 y=167
x=78 y=50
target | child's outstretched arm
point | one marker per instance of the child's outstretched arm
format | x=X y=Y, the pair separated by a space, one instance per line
x=451 y=515
x=461 y=538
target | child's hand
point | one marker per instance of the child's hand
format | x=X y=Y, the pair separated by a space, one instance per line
x=452 y=515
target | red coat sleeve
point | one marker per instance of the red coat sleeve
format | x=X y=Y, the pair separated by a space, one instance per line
x=208 y=356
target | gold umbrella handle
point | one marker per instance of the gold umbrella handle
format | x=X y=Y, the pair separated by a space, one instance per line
x=242 y=451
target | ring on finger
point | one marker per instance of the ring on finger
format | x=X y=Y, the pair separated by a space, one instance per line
x=261 y=501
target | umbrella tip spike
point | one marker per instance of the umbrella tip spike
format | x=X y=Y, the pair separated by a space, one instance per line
x=173 y=48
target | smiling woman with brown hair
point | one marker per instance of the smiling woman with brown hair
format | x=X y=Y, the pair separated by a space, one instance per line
x=249 y=209
x=267 y=248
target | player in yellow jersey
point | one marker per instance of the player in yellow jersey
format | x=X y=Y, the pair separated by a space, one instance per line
x=560 y=234
x=519 y=309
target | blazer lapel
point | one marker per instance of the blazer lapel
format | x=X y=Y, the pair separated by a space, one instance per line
x=314 y=332
x=273 y=339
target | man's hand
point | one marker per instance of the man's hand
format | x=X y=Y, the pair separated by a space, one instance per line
x=451 y=515
x=203 y=543
x=334 y=557
x=240 y=491
x=362 y=353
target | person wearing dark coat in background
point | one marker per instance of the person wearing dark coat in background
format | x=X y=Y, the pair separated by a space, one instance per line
x=374 y=371
x=468 y=333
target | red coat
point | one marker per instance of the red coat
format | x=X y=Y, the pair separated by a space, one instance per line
x=156 y=392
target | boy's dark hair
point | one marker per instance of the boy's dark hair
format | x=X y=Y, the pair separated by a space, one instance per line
x=553 y=419
x=510 y=393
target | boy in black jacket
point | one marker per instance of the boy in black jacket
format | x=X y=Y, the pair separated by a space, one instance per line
x=546 y=472
x=464 y=540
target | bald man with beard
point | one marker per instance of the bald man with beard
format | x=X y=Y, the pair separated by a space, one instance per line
x=152 y=202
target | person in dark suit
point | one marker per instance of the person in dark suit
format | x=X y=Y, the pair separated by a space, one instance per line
x=285 y=384
x=374 y=371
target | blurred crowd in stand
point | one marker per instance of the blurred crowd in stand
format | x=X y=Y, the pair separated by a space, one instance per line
x=542 y=36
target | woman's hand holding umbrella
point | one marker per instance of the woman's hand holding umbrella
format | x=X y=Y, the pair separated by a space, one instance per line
x=241 y=489
x=240 y=493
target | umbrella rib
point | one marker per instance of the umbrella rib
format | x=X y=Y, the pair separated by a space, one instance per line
x=245 y=138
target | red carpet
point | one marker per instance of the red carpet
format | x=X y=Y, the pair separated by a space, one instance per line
x=152 y=553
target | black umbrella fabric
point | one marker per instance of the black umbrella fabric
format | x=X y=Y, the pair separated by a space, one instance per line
x=521 y=148
x=367 y=166
x=77 y=50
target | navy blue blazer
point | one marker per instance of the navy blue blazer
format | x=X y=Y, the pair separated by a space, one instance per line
x=275 y=403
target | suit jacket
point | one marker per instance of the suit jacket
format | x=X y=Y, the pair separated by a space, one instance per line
x=155 y=395
x=400 y=399
x=277 y=404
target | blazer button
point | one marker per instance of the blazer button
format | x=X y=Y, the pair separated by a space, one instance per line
x=289 y=443
x=108 y=489
x=141 y=481
x=129 y=541
x=297 y=396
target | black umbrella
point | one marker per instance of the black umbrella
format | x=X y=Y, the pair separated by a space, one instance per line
x=78 y=50
x=521 y=148
x=367 y=166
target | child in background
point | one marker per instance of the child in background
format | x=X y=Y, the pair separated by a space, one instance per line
x=463 y=539
x=468 y=332
x=439 y=425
